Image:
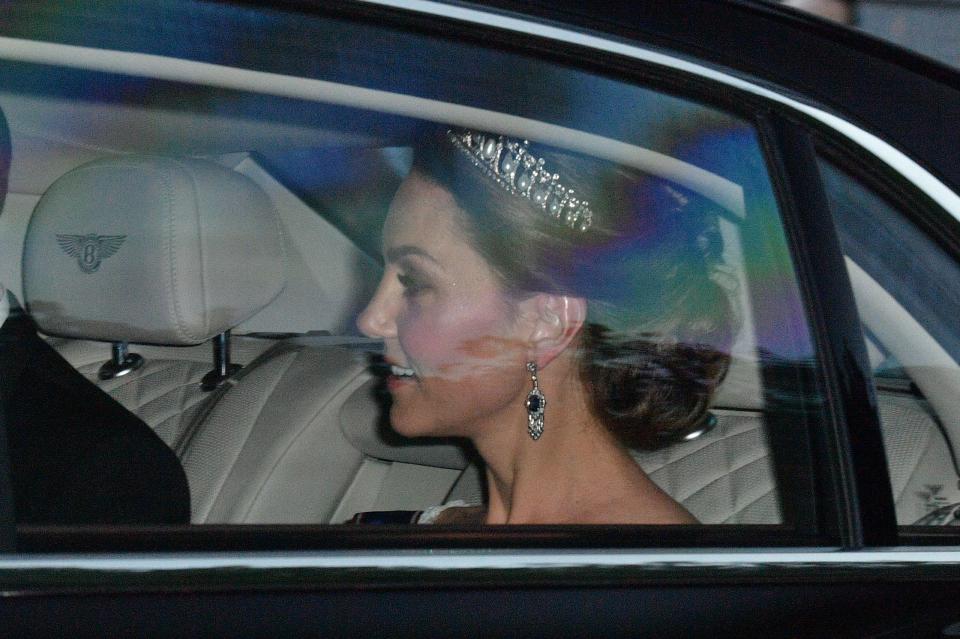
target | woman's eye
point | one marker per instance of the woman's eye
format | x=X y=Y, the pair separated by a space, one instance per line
x=411 y=285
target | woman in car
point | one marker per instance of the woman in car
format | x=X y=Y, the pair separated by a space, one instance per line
x=554 y=310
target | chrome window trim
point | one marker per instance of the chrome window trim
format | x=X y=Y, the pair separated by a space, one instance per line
x=443 y=560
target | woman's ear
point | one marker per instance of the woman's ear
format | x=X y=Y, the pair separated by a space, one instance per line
x=555 y=322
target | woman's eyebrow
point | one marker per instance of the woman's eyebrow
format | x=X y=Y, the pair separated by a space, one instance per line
x=396 y=253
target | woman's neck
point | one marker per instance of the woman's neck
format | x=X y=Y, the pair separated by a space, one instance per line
x=576 y=473
x=551 y=480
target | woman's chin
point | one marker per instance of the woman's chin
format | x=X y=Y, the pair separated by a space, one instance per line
x=415 y=417
x=411 y=423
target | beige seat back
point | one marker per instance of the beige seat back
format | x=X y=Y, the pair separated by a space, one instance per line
x=151 y=250
x=274 y=448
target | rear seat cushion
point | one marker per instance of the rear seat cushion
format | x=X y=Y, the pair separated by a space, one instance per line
x=336 y=456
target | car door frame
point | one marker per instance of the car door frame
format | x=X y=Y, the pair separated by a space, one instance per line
x=854 y=513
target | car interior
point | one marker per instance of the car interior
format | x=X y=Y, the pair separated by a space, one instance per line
x=204 y=268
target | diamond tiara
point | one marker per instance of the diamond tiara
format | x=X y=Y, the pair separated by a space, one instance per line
x=510 y=164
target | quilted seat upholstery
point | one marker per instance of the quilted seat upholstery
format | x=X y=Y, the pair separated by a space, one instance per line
x=724 y=476
x=299 y=438
x=272 y=450
x=165 y=393
x=922 y=472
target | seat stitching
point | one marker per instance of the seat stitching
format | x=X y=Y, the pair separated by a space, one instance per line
x=138 y=390
x=207 y=312
x=147 y=375
x=253 y=422
x=167 y=394
x=173 y=412
x=742 y=508
x=208 y=400
x=721 y=476
x=143 y=402
x=189 y=431
x=728 y=459
x=723 y=434
x=916 y=469
x=761 y=453
x=163 y=392
x=184 y=398
x=293 y=440
x=169 y=282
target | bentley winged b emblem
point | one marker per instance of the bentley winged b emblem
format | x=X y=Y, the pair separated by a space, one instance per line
x=91 y=249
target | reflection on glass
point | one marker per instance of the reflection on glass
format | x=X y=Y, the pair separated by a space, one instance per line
x=522 y=280
x=492 y=308
x=906 y=294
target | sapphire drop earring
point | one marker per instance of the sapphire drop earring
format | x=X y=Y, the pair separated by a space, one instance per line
x=536 y=402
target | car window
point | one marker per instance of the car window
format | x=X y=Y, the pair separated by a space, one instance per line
x=419 y=279
x=905 y=287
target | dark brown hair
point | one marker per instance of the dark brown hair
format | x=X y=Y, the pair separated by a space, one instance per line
x=659 y=324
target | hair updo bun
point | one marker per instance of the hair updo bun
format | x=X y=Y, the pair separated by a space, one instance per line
x=659 y=322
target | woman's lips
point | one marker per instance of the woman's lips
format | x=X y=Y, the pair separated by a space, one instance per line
x=401 y=371
x=399 y=376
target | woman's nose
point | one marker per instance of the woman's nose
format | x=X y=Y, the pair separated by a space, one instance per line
x=378 y=319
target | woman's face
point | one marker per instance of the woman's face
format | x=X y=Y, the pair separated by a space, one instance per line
x=454 y=338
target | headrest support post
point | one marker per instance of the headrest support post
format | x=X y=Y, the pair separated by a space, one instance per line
x=122 y=361
x=222 y=368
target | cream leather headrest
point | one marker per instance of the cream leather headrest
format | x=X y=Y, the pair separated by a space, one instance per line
x=151 y=250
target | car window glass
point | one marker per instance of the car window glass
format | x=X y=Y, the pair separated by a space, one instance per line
x=905 y=288
x=349 y=289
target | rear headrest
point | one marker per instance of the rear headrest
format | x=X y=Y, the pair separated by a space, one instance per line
x=151 y=250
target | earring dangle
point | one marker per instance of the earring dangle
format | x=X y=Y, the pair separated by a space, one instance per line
x=536 y=402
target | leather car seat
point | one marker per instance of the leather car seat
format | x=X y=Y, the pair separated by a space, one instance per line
x=201 y=252
x=151 y=250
